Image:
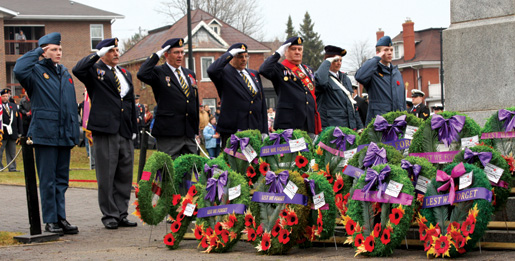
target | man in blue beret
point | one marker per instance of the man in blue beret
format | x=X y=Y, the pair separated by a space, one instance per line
x=54 y=128
x=240 y=91
x=175 y=90
x=334 y=92
x=112 y=122
x=294 y=84
x=383 y=81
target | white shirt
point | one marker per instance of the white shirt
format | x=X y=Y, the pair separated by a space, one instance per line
x=335 y=75
x=250 y=79
x=124 y=85
x=176 y=75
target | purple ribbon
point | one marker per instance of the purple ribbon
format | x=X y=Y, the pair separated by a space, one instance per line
x=342 y=139
x=374 y=156
x=158 y=177
x=401 y=144
x=352 y=171
x=278 y=198
x=210 y=171
x=235 y=141
x=448 y=129
x=437 y=157
x=372 y=177
x=276 y=182
x=221 y=210
x=286 y=135
x=484 y=157
x=372 y=196
x=463 y=195
x=498 y=135
x=507 y=117
x=390 y=131
x=311 y=184
x=214 y=185
x=413 y=170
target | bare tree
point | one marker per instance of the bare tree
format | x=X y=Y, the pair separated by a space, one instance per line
x=358 y=54
x=241 y=14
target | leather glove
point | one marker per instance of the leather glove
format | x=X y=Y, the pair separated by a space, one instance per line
x=104 y=50
x=283 y=48
x=162 y=51
x=331 y=59
x=236 y=51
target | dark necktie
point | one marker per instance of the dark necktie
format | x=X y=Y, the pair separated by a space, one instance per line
x=118 y=86
x=184 y=86
x=6 y=106
x=248 y=84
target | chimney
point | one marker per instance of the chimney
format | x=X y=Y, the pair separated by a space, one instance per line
x=379 y=34
x=408 y=37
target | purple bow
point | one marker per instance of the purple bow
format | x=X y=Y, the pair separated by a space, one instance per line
x=214 y=185
x=413 y=170
x=441 y=176
x=373 y=177
x=311 y=184
x=507 y=117
x=448 y=128
x=342 y=139
x=210 y=171
x=390 y=131
x=484 y=157
x=374 y=156
x=276 y=182
x=235 y=141
x=158 y=177
x=286 y=135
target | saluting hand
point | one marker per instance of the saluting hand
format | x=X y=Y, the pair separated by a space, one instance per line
x=283 y=48
x=236 y=51
x=162 y=51
x=44 y=50
x=381 y=54
x=104 y=50
x=331 y=59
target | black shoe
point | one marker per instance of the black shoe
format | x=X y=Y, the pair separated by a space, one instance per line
x=54 y=228
x=126 y=223
x=111 y=224
x=14 y=170
x=67 y=227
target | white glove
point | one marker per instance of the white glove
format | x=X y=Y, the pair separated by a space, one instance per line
x=360 y=131
x=162 y=51
x=331 y=59
x=104 y=50
x=134 y=136
x=236 y=51
x=283 y=48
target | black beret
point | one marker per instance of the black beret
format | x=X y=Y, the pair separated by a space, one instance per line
x=5 y=91
x=295 y=40
x=334 y=50
x=51 y=38
x=238 y=45
x=107 y=42
x=174 y=42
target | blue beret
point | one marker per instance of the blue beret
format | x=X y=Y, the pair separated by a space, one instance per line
x=334 y=50
x=174 y=42
x=295 y=40
x=107 y=42
x=51 y=38
x=238 y=45
x=384 y=41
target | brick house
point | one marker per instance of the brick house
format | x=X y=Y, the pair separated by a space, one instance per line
x=81 y=27
x=417 y=54
x=211 y=38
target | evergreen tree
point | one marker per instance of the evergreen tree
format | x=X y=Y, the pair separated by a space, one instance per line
x=290 y=31
x=313 y=46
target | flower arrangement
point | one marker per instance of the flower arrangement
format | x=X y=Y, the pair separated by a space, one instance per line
x=501 y=121
x=417 y=167
x=180 y=221
x=388 y=127
x=235 y=158
x=298 y=161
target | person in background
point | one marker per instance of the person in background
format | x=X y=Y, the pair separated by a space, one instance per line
x=419 y=109
x=12 y=127
x=361 y=105
x=271 y=118
x=437 y=108
x=211 y=136
x=217 y=113
x=26 y=113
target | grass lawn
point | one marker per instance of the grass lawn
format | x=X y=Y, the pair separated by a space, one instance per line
x=6 y=238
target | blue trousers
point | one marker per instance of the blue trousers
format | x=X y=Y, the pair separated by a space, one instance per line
x=53 y=165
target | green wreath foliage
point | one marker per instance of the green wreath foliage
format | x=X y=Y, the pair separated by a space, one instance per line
x=505 y=146
x=184 y=166
x=219 y=162
x=323 y=157
x=442 y=216
x=150 y=214
x=370 y=135
x=239 y=165
x=500 y=194
x=264 y=216
x=368 y=214
x=428 y=171
x=277 y=160
x=233 y=223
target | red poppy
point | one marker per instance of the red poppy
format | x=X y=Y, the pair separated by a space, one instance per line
x=180 y=216
x=350 y=227
x=204 y=243
x=396 y=216
x=212 y=241
x=175 y=226
x=346 y=198
x=192 y=191
x=198 y=232
x=232 y=220
x=305 y=175
x=252 y=74
x=209 y=231
x=432 y=232
x=459 y=240
x=398 y=83
x=185 y=202
x=264 y=168
x=249 y=220
x=468 y=227
x=377 y=230
x=338 y=200
x=511 y=162
x=442 y=245
x=251 y=172
x=338 y=185
x=284 y=236
x=284 y=213
x=422 y=231
x=370 y=243
x=386 y=236
x=225 y=235
x=71 y=81
x=358 y=240
x=301 y=161
x=136 y=191
x=328 y=177
x=218 y=228
x=251 y=234
x=454 y=224
x=176 y=199
x=428 y=244
x=320 y=222
x=265 y=242
x=259 y=230
x=169 y=239
x=276 y=229
x=123 y=70
x=292 y=219
x=310 y=233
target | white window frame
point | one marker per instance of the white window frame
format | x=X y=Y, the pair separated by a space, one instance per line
x=186 y=62
x=91 y=26
x=206 y=78
x=211 y=102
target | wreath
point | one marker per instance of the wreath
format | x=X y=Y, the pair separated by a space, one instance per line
x=416 y=168
x=502 y=121
x=451 y=230
x=376 y=222
x=187 y=167
x=388 y=127
x=271 y=225
x=156 y=181
x=220 y=220
x=483 y=154
x=234 y=156
x=278 y=141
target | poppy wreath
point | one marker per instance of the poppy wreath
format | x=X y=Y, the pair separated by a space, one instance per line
x=502 y=121
x=390 y=126
x=452 y=230
x=501 y=190
x=273 y=228
x=418 y=167
x=156 y=180
x=210 y=168
x=185 y=167
x=219 y=233
x=292 y=161
x=239 y=163
x=374 y=228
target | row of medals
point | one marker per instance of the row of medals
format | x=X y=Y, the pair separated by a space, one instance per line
x=292 y=76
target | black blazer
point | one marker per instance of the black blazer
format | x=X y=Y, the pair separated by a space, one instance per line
x=421 y=111
x=16 y=125
x=295 y=106
x=176 y=115
x=362 y=108
x=109 y=112
x=239 y=109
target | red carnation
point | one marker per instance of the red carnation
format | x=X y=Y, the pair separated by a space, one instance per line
x=370 y=243
x=169 y=239
x=284 y=236
x=305 y=175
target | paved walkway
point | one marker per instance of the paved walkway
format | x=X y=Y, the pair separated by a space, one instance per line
x=143 y=242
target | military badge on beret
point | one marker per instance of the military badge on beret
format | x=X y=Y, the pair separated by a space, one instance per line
x=180 y=42
x=299 y=40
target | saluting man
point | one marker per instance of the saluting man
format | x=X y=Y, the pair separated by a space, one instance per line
x=176 y=93
x=112 y=121
x=419 y=109
x=240 y=91
x=294 y=84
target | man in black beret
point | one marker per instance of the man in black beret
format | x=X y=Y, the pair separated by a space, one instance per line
x=240 y=91
x=12 y=127
x=419 y=109
x=175 y=90
x=294 y=84
x=112 y=121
